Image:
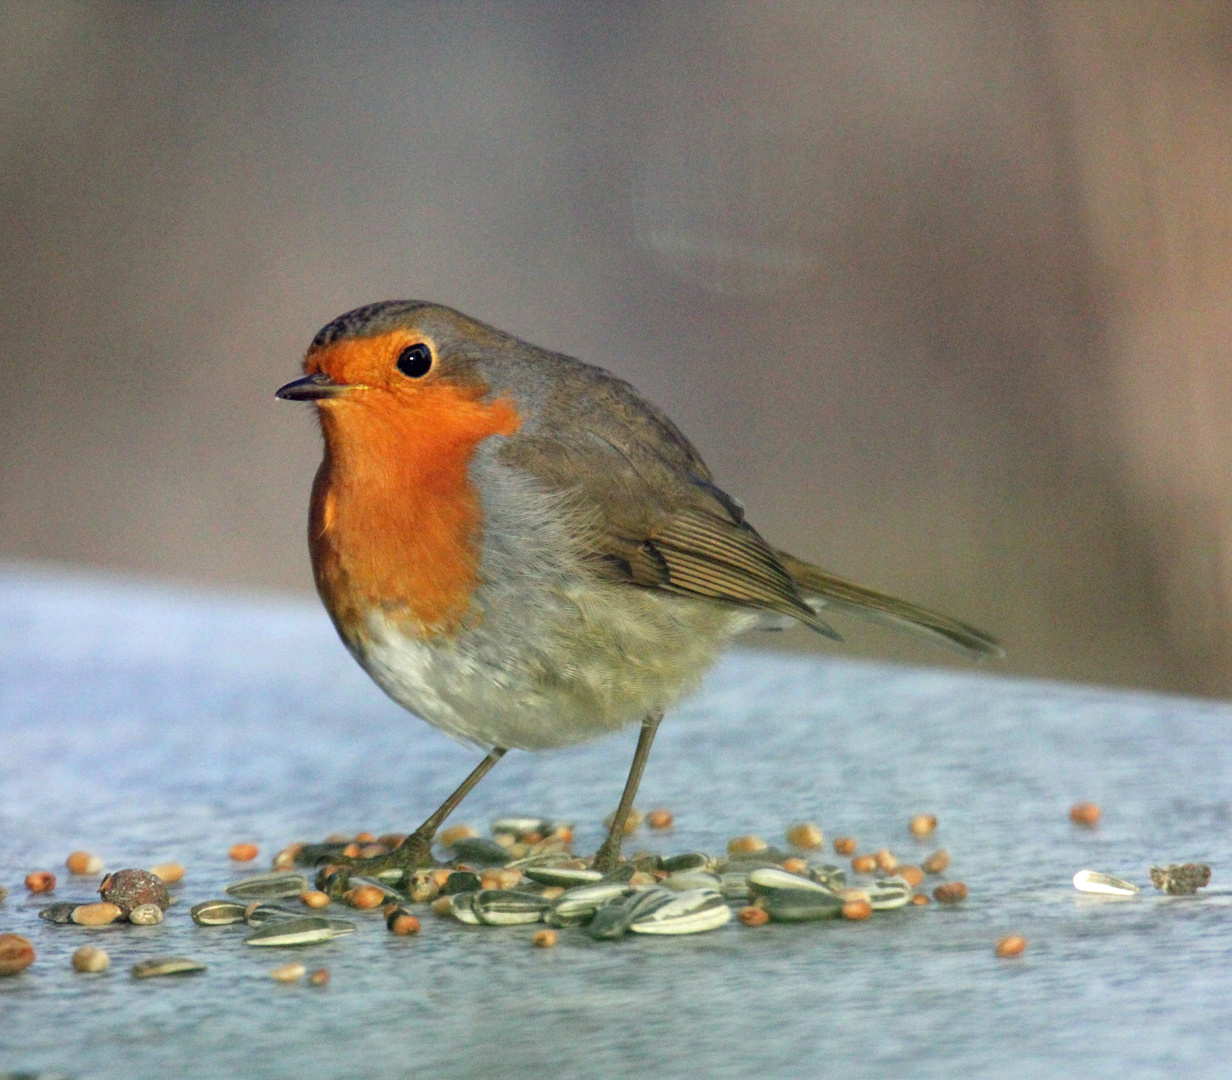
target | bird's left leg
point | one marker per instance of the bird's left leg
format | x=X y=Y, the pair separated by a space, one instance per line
x=609 y=854
x=416 y=850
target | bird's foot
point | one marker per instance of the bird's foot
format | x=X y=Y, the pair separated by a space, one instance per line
x=607 y=858
x=413 y=853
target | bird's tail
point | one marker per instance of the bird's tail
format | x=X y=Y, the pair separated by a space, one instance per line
x=820 y=589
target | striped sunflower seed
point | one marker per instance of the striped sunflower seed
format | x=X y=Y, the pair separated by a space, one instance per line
x=1092 y=881
x=508 y=907
x=166 y=965
x=217 y=913
x=306 y=930
x=269 y=887
x=689 y=912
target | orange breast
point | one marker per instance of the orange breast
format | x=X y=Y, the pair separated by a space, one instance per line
x=395 y=523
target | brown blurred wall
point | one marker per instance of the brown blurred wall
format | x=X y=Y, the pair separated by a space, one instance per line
x=940 y=290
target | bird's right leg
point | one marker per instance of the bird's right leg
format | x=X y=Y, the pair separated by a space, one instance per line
x=416 y=850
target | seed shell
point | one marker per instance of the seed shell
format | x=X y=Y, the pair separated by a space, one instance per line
x=59 y=914
x=217 y=913
x=90 y=959
x=269 y=887
x=304 y=930
x=166 y=965
x=1092 y=881
x=258 y=914
x=691 y=912
x=480 y=851
x=146 y=915
x=508 y=907
x=556 y=875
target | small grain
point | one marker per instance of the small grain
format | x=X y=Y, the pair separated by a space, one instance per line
x=448 y=837
x=804 y=834
x=41 y=881
x=937 y=863
x=404 y=924
x=922 y=824
x=169 y=872
x=90 y=960
x=844 y=845
x=886 y=861
x=288 y=973
x=753 y=916
x=543 y=939
x=864 y=864
x=1085 y=814
x=243 y=852
x=857 y=910
x=795 y=865
x=921 y=899
x=745 y=845
x=101 y=914
x=912 y=875
x=314 y=898
x=83 y=862
x=364 y=897
x=364 y=837
x=952 y=892
x=1011 y=945
x=320 y=977
x=660 y=818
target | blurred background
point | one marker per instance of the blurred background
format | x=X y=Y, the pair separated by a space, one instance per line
x=940 y=290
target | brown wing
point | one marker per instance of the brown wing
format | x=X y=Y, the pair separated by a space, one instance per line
x=644 y=520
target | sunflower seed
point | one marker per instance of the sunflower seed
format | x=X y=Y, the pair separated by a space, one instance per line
x=166 y=965
x=734 y=885
x=522 y=826
x=59 y=914
x=508 y=907
x=264 y=914
x=559 y=875
x=587 y=899
x=217 y=913
x=477 y=849
x=1092 y=881
x=886 y=894
x=829 y=875
x=306 y=930
x=269 y=887
x=692 y=860
x=691 y=879
x=688 y=913
x=790 y=898
x=462 y=908
x=772 y=878
x=613 y=920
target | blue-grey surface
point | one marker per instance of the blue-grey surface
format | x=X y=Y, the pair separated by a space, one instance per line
x=148 y=725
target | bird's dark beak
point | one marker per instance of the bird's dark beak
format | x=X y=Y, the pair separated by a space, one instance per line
x=311 y=388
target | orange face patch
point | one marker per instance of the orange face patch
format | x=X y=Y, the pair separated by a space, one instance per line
x=395 y=523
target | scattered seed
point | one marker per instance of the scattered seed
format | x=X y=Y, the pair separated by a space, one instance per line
x=442 y=905
x=58 y=914
x=660 y=818
x=259 y=914
x=314 y=898
x=320 y=977
x=364 y=897
x=285 y=859
x=16 y=954
x=1011 y=945
x=440 y=876
x=288 y=973
x=745 y=845
x=41 y=881
x=168 y=872
x=460 y=881
x=242 y=852
x=3 y=893
x=753 y=916
x=546 y=939
x=146 y=915
x=952 y=892
x=90 y=959
x=500 y=879
x=920 y=899
x=552 y=892
x=805 y=834
x=886 y=861
x=364 y=837
x=269 y=887
x=217 y=913
x=845 y=845
x=457 y=832
x=1180 y=880
x=857 y=910
x=912 y=875
x=131 y=888
x=403 y=924
x=100 y=914
x=306 y=930
x=937 y=863
x=423 y=890
x=634 y=819
x=1084 y=813
x=795 y=865
x=165 y=965
x=922 y=824
x=82 y=862
x=1091 y=881
x=864 y=864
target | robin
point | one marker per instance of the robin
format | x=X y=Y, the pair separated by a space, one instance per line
x=520 y=549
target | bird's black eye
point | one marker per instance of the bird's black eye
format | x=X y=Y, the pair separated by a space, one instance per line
x=415 y=361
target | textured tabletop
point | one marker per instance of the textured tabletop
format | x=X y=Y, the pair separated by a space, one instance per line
x=147 y=725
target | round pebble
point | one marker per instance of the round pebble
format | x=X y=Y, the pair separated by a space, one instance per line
x=844 y=845
x=288 y=973
x=16 y=954
x=146 y=915
x=320 y=977
x=745 y=845
x=912 y=875
x=753 y=916
x=937 y=863
x=100 y=914
x=886 y=861
x=660 y=818
x=90 y=959
x=857 y=910
x=1011 y=945
x=864 y=864
x=169 y=872
x=952 y=892
x=41 y=881
x=1084 y=813
x=922 y=824
x=243 y=852
x=314 y=898
x=82 y=862
x=805 y=834
x=543 y=939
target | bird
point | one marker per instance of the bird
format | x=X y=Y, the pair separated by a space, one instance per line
x=523 y=551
